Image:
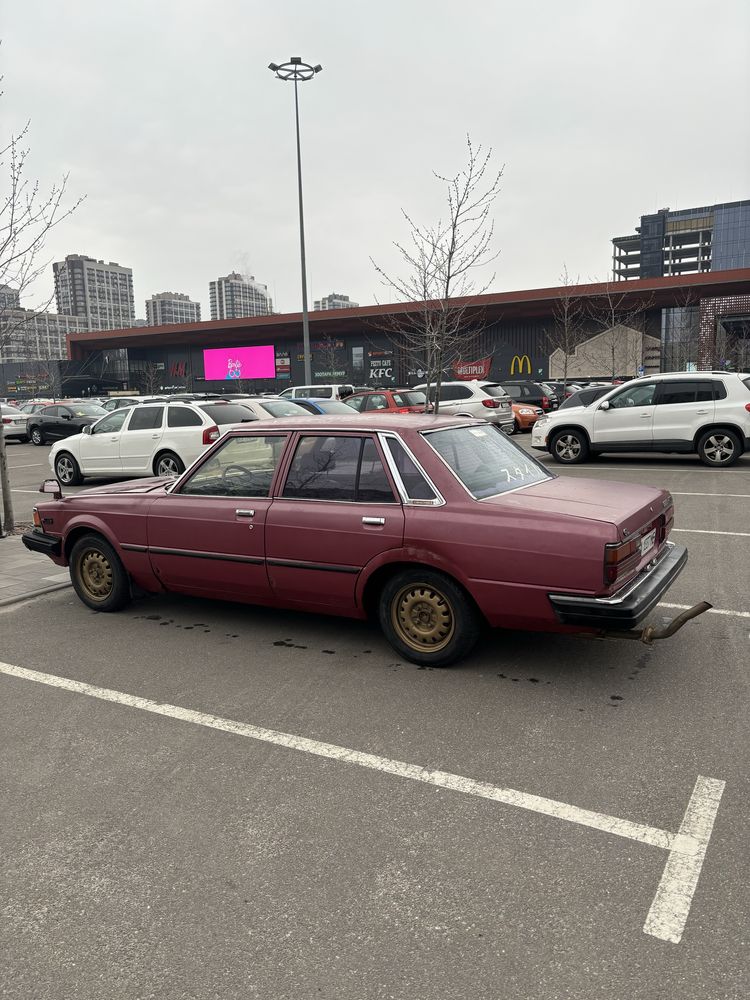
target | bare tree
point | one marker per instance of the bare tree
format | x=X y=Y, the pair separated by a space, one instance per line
x=329 y=352
x=150 y=378
x=27 y=216
x=569 y=330
x=613 y=311
x=437 y=266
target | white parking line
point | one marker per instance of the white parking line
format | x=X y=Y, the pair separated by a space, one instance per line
x=587 y=469
x=743 y=496
x=687 y=847
x=711 y=611
x=36 y=465
x=706 y=531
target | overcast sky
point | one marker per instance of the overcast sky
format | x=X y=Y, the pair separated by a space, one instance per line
x=165 y=116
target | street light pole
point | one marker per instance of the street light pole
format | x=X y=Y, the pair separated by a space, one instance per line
x=298 y=71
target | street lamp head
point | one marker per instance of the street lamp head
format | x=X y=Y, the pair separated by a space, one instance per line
x=295 y=70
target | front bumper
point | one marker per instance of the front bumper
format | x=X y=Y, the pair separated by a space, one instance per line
x=37 y=541
x=627 y=609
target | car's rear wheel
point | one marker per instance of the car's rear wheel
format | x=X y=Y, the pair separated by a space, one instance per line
x=428 y=618
x=36 y=436
x=719 y=449
x=97 y=575
x=67 y=470
x=168 y=464
x=569 y=447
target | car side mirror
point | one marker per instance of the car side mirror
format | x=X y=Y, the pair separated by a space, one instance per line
x=52 y=486
x=88 y=429
x=604 y=405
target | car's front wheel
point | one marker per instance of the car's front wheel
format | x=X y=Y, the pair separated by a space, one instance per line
x=428 y=618
x=97 y=575
x=569 y=447
x=36 y=436
x=68 y=470
x=719 y=449
x=168 y=464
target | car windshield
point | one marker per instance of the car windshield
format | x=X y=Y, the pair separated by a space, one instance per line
x=227 y=413
x=280 y=408
x=485 y=460
x=87 y=409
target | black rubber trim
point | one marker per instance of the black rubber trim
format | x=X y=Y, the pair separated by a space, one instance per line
x=37 y=541
x=630 y=612
x=134 y=548
x=193 y=554
x=326 y=567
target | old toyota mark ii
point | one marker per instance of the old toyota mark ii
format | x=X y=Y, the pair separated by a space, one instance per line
x=437 y=526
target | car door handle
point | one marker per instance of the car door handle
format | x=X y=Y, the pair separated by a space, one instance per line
x=701 y=411
x=646 y=416
x=156 y=436
x=373 y=520
x=115 y=438
x=241 y=512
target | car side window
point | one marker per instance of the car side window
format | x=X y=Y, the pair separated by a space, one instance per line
x=638 y=395
x=415 y=484
x=450 y=392
x=182 y=416
x=243 y=467
x=356 y=402
x=51 y=411
x=145 y=418
x=514 y=391
x=347 y=469
x=678 y=392
x=110 y=424
x=376 y=401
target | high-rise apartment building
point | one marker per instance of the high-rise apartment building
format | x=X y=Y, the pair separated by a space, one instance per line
x=28 y=335
x=712 y=238
x=171 y=307
x=236 y=295
x=101 y=293
x=334 y=301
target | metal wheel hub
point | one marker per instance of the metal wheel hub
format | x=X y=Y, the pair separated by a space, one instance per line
x=95 y=574
x=65 y=469
x=568 y=447
x=423 y=617
x=167 y=467
x=718 y=448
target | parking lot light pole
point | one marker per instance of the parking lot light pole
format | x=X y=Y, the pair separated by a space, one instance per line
x=299 y=72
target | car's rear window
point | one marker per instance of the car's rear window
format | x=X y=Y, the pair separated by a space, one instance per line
x=485 y=460
x=415 y=397
x=494 y=390
x=746 y=382
x=227 y=413
x=280 y=408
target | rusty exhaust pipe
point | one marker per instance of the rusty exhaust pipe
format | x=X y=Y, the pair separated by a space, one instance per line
x=650 y=633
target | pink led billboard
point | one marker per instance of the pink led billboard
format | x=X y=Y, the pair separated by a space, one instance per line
x=239 y=362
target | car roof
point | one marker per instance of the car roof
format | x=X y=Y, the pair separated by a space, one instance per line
x=361 y=422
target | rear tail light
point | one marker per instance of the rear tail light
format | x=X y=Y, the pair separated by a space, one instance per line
x=619 y=558
x=491 y=404
x=211 y=434
x=7 y=420
x=545 y=402
x=747 y=407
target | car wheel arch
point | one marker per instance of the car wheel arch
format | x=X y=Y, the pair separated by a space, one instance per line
x=167 y=451
x=718 y=427
x=372 y=585
x=88 y=526
x=554 y=431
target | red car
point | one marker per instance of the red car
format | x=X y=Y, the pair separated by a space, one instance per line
x=437 y=526
x=389 y=401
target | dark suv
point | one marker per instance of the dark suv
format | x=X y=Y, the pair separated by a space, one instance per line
x=526 y=391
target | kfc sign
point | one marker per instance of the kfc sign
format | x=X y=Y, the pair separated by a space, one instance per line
x=472 y=369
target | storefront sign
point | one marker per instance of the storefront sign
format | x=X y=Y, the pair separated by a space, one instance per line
x=472 y=369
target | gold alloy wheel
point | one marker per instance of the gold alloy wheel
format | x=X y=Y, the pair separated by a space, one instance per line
x=95 y=574
x=422 y=617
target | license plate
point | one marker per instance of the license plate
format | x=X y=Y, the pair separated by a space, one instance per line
x=648 y=541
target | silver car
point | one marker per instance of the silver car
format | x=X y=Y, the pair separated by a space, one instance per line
x=14 y=423
x=484 y=400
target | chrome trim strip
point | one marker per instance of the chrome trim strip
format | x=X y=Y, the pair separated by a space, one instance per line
x=628 y=589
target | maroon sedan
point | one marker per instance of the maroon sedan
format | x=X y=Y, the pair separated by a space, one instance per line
x=437 y=526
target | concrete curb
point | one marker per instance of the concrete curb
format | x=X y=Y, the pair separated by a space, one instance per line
x=8 y=601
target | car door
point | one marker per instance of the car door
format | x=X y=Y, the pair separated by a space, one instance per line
x=683 y=406
x=626 y=422
x=53 y=422
x=207 y=536
x=453 y=399
x=336 y=512
x=99 y=450
x=140 y=437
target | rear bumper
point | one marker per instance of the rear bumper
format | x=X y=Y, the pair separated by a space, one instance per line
x=628 y=608
x=37 y=541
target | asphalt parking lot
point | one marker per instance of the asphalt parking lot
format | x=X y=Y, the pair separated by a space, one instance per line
x=209 y=800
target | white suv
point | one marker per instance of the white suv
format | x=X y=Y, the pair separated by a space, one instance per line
x=486 y=400
x=150 y=439
x=707 y=413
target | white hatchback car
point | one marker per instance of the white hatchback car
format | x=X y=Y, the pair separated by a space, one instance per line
x=151 y=439
x=707 y=413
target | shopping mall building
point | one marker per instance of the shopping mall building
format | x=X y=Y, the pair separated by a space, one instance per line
x=664 y=323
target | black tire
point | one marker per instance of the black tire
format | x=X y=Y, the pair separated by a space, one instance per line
x=168 y=464
x=36 y=436
x=569 y=447
x=97 y=575
x=67 y=470
x=428 y=618
x=24 y=440
x=719 y=449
